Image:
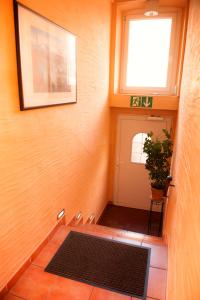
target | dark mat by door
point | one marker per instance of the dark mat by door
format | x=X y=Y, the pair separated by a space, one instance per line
x=104 y=263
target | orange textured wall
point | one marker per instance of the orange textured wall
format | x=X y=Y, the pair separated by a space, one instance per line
x=183 y=216
x=53 y=157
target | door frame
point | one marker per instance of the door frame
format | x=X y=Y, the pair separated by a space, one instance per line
x=120 y=118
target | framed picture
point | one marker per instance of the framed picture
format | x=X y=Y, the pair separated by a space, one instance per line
x=46 y=56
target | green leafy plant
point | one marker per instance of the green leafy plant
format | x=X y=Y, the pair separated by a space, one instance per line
x=158 y=153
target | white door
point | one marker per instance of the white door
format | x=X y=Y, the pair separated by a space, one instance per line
x=132 y=188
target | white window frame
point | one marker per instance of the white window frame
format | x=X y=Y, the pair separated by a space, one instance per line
x=170 y=89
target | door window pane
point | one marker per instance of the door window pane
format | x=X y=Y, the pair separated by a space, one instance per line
x=137 y=154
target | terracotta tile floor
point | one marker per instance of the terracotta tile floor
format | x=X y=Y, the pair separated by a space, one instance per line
x=131 y=219
x=37 y=284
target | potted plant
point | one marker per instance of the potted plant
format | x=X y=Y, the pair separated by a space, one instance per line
x=158 y=153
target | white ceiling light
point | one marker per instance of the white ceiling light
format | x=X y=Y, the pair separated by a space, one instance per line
x=151 y=8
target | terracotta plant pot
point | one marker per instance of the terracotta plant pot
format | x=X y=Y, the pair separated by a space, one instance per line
x=157 y=194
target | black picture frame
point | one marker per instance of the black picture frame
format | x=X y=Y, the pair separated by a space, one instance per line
x=46 y=60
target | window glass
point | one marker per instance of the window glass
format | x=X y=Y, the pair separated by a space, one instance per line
x=148 y=53
x=137 y=154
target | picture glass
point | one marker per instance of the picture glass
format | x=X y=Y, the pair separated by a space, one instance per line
x=47 y=56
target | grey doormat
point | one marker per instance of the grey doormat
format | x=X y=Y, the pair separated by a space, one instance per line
x=104 y=263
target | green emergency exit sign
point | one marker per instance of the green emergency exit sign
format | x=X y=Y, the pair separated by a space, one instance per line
x=141 y=101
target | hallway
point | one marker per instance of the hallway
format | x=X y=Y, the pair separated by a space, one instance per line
x=74 y=75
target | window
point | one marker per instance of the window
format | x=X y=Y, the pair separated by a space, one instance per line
x=149 y=54
x=137 y=154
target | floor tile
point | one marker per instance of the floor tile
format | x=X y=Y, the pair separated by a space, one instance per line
x=101 y=294
x=108 y=231
x=131 y=236
x=35 y=284
x=153 y=240
x=12 y=297
x=128 y=241
x=157 y=284
x=104 y=229
x=158 y=255
x=46 y=255
x=94 y=232
x=60 y=235
x=70 y=290
x=100 y=234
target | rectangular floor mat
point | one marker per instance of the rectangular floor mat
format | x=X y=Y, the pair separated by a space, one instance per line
x=104 y=263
